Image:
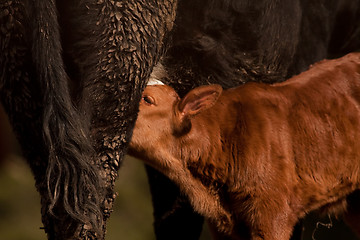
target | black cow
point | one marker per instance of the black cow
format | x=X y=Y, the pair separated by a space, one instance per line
x=72 y=73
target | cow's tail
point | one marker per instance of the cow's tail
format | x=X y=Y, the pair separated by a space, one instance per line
x=71 y=178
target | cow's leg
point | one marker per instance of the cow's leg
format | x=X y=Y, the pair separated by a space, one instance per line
x=172 y=210
x=298 y=231
x=352 y=216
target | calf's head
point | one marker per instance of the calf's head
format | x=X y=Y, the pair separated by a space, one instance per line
x=164 y=118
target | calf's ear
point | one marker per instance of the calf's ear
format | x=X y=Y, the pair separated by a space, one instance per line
x=199 y=99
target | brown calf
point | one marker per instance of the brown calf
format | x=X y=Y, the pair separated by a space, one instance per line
x=260 y=156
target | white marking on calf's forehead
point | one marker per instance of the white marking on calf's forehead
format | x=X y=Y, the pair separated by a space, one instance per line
x=153 y=81
x=158 y=73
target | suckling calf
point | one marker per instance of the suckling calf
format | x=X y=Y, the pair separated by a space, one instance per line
x=260 y=155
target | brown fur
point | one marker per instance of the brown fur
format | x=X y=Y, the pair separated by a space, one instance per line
x=260 y=155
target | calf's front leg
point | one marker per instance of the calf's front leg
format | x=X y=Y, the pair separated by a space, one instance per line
x=266 y=217
x=200 y=197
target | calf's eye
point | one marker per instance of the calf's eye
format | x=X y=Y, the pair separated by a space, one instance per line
x=148 y=100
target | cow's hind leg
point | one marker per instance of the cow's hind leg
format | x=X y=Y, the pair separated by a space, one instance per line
x=352 y=216
x=297 y=231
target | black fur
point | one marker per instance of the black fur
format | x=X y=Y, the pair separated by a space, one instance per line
x=232 y=42
x=64 y=149
x=72 y=178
